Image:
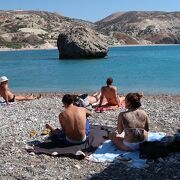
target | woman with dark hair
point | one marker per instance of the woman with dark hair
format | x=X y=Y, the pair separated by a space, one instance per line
x=134 y=123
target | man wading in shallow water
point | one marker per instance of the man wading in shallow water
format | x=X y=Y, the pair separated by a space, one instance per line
x=74 y=123
x=9 y=96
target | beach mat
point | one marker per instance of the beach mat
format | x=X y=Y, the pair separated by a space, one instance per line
x=98 y=134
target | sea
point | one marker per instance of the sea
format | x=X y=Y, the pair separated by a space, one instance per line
x=147 y=69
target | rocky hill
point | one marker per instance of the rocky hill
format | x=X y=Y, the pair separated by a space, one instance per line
x=39 y=29
x=138 y=27
x=34 y=29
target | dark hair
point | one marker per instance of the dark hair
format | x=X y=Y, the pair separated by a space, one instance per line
x=67 y=99
x=134 y=99
x=109 y=81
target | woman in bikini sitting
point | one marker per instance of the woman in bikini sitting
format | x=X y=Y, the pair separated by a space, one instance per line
x=134 y=123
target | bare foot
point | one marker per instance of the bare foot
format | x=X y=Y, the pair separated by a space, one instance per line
x=30 y=96
x=27 y=96
x=39 y=96
x=48 y=126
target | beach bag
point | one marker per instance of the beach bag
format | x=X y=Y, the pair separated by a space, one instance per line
x=83 y=101
x=156 y=149
x=153 y=150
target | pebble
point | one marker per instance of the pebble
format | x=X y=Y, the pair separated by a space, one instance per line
x=54 y=154
x=77 y=166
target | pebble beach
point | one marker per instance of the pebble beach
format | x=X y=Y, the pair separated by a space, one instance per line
x=20 y=118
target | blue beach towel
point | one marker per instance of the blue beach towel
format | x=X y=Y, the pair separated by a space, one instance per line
x=108 y=152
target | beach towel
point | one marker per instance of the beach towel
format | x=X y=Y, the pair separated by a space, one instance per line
x=108 y=152
x=111 y=108
x=98 y=134
x=106 y=108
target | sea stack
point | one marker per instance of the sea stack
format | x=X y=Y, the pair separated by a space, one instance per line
x=81 y=43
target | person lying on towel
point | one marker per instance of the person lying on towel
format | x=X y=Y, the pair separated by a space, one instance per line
x=8 y=96
x=134 y=123
x=74 y=123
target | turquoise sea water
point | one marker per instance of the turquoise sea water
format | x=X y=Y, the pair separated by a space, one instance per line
x=151 y=69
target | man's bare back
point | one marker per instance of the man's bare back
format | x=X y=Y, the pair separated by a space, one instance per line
x=110 y=93
x=73 y=122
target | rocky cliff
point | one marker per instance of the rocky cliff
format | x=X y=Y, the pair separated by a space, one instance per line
x=38 y=29
x=34 y=29
x=142 y=27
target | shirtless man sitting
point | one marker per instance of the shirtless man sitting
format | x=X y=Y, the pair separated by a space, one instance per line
x=8 y=96
x=110 y=93
x=74 y=123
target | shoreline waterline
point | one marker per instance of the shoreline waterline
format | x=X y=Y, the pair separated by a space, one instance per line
x=26 y=49
x=110 y=46
x=60 y=94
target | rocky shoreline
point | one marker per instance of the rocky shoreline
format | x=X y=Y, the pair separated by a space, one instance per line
x=55 y=48
x=17 y=120
x=27 y=49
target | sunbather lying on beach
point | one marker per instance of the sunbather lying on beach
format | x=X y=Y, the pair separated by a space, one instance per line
x=94 y=99
x=109 y=93
x=133 y=122
x=75 y=125
x=8 y=96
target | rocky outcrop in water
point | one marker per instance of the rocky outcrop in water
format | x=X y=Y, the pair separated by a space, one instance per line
x=81 y=42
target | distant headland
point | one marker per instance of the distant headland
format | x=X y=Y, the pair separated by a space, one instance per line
x=40 y=29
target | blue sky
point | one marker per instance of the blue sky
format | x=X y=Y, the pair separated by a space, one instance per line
x=92 y=10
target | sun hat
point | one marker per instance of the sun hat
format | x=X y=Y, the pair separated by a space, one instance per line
x=3 y=78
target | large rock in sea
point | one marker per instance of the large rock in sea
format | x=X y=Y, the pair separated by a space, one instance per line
x=81 y=42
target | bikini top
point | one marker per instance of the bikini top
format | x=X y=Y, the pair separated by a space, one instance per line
x=137 y=132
